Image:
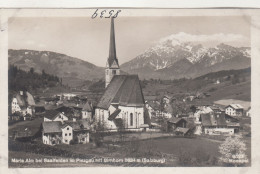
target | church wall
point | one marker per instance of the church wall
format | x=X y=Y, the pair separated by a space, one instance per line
x=137 y=116
x=102 y=116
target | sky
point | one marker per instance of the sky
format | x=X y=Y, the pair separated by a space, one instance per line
x=88 y=39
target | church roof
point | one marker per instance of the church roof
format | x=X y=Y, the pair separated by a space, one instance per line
x=112 y=59
x=124 y=90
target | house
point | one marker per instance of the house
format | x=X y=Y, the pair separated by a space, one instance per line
x=248 y=112
x=87 y=111
x=53 y=115
x=15 y=117
x=174 y=122
x=217 y=109
x=167 y=111
x=230 y=119
x=70 y=111
x=201 y=110
x=234 y=110
x=39 y=109
x=182 y=131
x=217 y=82
x=67 y=132
x=50 y=101
x=23 y=102
x=166 y=99
x=215 y=124
x=232 y=122
x=122 y=104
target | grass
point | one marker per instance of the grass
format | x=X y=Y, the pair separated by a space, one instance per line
x=33 y=126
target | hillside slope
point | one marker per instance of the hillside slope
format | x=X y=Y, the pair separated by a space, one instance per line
x=61 y=65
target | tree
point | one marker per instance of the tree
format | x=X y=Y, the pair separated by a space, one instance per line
x=232 y=151
x=32 y=70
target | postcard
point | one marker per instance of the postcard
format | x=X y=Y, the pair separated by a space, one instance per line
x=111 y=87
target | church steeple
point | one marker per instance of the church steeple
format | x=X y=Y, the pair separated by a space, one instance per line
x=112 y=67
x=112 y=59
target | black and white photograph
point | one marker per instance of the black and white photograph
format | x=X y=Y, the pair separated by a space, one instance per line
x=114 y=89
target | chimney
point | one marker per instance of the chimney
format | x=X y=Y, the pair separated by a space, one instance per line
x=21 y=92
x=74 y=119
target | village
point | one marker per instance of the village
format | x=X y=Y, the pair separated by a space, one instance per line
x=123 y=114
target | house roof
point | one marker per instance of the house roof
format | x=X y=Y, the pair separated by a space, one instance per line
x=211 y=119
x=182 y=130
x=77 y=125
x=25 y=100
x=87 y=107
x=154 y=105
x=150 y=97
x=114 y=114
x=168 y=109
x=51 y=114
x=235 y=106
x=124 y=90
x=175 y=120
x=228 y=116
x=51 y=126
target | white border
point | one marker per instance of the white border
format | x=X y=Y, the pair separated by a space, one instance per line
x=255 y=43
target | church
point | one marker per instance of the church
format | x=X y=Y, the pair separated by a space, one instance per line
x=122 y=104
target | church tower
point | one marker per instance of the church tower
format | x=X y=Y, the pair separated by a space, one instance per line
x=112 y=66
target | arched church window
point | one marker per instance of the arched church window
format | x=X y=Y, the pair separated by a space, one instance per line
x=131 y=119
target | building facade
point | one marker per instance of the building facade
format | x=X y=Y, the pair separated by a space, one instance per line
x=122 y=104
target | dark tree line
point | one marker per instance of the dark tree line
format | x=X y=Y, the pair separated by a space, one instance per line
x=22 y=80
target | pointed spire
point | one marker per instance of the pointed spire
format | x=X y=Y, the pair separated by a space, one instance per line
x=112 y=46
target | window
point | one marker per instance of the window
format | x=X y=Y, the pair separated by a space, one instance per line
x=66 y=141
x=69 y=134
x=113 y=72
x=131 y=119
x=65 y=134
x=68 y=128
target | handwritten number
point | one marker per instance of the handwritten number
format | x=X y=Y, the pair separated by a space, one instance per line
x=95 y=14
x=102 y=13
x=118 y=11
x=111 y=13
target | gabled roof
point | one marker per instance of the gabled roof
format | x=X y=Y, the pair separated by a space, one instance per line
x=87 y=107
x=211 y=119
x=24 y=100
x=235 y=106
x=175 y=120
x=52 y=126
x=124 y=90
x=51 y=114
x=168 y=109
x=77 y=125
x=182 y=130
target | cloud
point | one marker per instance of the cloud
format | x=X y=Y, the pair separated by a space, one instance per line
x=217 y=38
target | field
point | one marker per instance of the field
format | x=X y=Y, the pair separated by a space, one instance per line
x=225 y=102
x=177 y=151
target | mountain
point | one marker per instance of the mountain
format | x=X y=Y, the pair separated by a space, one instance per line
x=70 y=69
x=168 y=60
